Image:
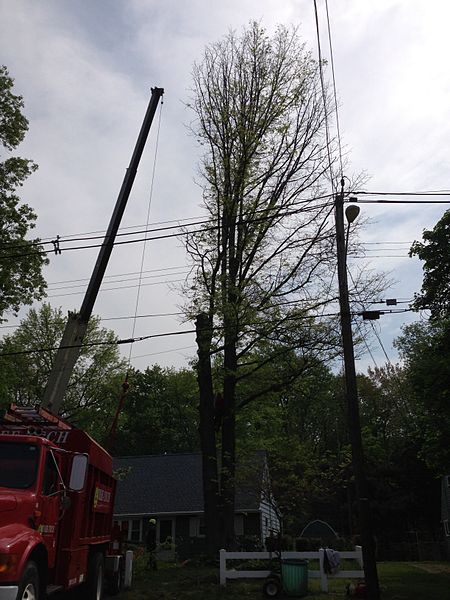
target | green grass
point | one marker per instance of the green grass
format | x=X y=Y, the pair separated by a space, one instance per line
x=399 y=581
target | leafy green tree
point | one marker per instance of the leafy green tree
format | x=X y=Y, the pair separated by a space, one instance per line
x=160 y=413
x=261 y=118
x=401 y=482
x=24 y=376
x=425 y=349
x=435 y=292
x=21 y=259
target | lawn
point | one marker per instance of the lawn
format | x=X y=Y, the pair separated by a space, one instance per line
x=399 y=581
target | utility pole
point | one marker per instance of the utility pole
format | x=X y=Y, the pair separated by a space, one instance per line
x=354 y=424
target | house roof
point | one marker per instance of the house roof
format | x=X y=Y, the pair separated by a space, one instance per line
x=172 y=483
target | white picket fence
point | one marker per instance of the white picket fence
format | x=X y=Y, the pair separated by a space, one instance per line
x=320 y=574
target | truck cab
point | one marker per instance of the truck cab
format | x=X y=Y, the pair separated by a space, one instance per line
x=56 y=503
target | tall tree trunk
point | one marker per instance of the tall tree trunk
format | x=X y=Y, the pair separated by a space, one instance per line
x=207 y=434
x=228 y=462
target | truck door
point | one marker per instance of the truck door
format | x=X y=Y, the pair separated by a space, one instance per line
x=51 y=490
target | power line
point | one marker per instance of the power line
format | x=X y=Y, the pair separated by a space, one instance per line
x=163 y=352
x=121 y=287
x=179 y=233
x=92 y=344
x=120 y=274
x=198 y=221
x=149 y=316
x=427 y=193
x=68 y=287
x=334 y=90
x=174 y=333
x=356 y=200
x=324 y=100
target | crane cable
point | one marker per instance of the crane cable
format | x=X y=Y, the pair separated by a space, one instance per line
x=111 y=438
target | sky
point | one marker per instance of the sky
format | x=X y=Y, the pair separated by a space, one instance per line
x=85 y=69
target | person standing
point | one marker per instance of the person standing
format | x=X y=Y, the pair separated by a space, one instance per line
x=150 y=541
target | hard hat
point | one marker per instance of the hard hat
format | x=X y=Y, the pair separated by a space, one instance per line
x=152 y=521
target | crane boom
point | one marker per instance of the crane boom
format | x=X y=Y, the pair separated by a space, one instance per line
x=77 y=323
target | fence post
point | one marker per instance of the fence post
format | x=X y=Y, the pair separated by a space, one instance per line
x=359 y=556
x=323 y=575
x=223 y=567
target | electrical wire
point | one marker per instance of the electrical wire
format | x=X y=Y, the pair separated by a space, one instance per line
x=164 y=352
x=121 y=287
x=402 y=201
x=324 y=100
x=92 y=344
x=428 y=193
x=195 y=221
x=172 y=235
x=371 y=323
x=151 y=315
x=338 y=129
x=86 y=279
x=173 y=333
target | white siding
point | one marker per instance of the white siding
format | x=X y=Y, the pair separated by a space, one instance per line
x=269 y=520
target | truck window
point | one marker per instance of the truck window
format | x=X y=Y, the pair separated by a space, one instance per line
x=18 y=465
x=50 y=481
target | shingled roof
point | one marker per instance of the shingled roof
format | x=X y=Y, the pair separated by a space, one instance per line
x=172 y=483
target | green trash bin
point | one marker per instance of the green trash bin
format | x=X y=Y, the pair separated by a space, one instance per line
x=294 y=574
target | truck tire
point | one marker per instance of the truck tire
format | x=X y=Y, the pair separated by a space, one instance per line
x=94 y=583
x=29 y=584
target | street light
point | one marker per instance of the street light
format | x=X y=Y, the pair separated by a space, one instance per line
x=354 y=423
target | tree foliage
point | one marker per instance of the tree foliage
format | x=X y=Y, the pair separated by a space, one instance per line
x=262 y=267
x=21 y=263
x=24 y=376
x=424 y=346
x=435 y=292
x=425 y=349
x=160 y=413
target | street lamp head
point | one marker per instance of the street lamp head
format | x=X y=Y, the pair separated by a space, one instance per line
x=351 y=212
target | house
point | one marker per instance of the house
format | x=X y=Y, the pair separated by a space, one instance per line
x=169 y=488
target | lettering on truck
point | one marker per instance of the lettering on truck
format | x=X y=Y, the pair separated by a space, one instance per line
x=57 y=436
x=102 y=498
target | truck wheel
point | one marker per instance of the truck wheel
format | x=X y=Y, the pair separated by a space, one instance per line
x=29 y=584
x=94 y=583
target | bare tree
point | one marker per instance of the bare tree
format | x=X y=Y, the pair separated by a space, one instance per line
x=264 y=265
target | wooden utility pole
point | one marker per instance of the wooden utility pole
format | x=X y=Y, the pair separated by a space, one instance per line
x=354 y=424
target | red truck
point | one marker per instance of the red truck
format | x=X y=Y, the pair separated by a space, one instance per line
x=56 y=483
x=56 y=509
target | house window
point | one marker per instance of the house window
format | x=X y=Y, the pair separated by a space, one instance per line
x=134 y=530
x=197 y=527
